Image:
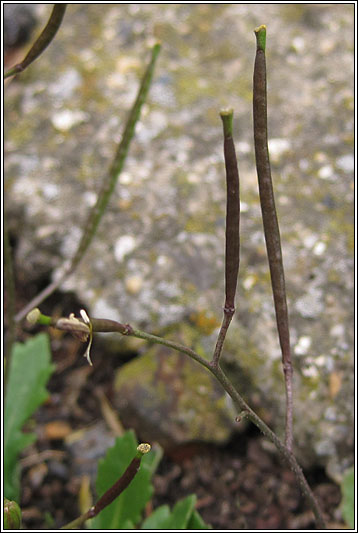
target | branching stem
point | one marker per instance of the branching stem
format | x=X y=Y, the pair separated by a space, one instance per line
x=103 y=325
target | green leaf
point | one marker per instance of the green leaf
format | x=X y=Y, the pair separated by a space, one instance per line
x=158 y=517
x=126 y=510
x=196 y=522
x=181 y=513
x=183 y=516
x=348 y=497
x=178 y=518
x=29 y=371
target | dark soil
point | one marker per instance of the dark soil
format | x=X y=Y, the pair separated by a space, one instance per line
x=242 y=485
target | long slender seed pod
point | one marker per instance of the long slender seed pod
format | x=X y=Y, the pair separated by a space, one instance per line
x=232 y=252
x=42 y=42
x=269 y=217
x=118 y=487
x=115 y=490
x=105 y=193
x=232 y=235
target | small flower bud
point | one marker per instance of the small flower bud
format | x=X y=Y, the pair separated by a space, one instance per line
x=33 y=316
x=144 y=448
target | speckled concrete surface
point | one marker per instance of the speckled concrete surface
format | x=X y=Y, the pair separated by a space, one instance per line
x=159 y=251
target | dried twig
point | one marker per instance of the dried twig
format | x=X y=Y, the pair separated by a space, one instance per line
x=106 y=191
x=10 y=299
x=42 y=42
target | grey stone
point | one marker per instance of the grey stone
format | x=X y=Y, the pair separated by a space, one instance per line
x=170 y=199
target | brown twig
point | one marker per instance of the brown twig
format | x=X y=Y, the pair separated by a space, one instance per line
x=270 y=223
x=232 y=236
x=10 y=299
x=42 y=42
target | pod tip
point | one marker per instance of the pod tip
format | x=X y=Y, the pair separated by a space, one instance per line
x=260 y=34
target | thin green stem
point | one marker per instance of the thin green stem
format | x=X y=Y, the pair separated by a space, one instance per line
x=228 y=314
x=107 y=189
x=170 y=344
x=42 y=42
x=270 y=222
x=111 y=180
x=79 y=521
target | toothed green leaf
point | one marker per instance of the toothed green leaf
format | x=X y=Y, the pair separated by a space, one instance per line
x=29 y=371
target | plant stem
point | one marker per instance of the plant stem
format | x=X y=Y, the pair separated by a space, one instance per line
x=111 y=180
x=10 y=300
x=228 y=314
x=232 y=233
x=45 y=38
x=285 y=453
x=103 y=325
x=270 y=223
x=114 y=491
x=107 y=189
x=77 y=522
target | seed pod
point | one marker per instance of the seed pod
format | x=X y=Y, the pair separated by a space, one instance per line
x=232 y=246
x=119 y=486
x=269 y=218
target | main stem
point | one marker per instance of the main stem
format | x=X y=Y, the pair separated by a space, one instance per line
x=285 y=453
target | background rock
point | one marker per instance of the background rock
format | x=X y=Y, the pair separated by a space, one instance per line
x=19 y=22
x=159 y=252
x=167 y=398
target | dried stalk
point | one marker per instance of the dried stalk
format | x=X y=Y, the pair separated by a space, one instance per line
x=10 y=300
x=45 y=38
x=270 y=223
x=108 y=186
